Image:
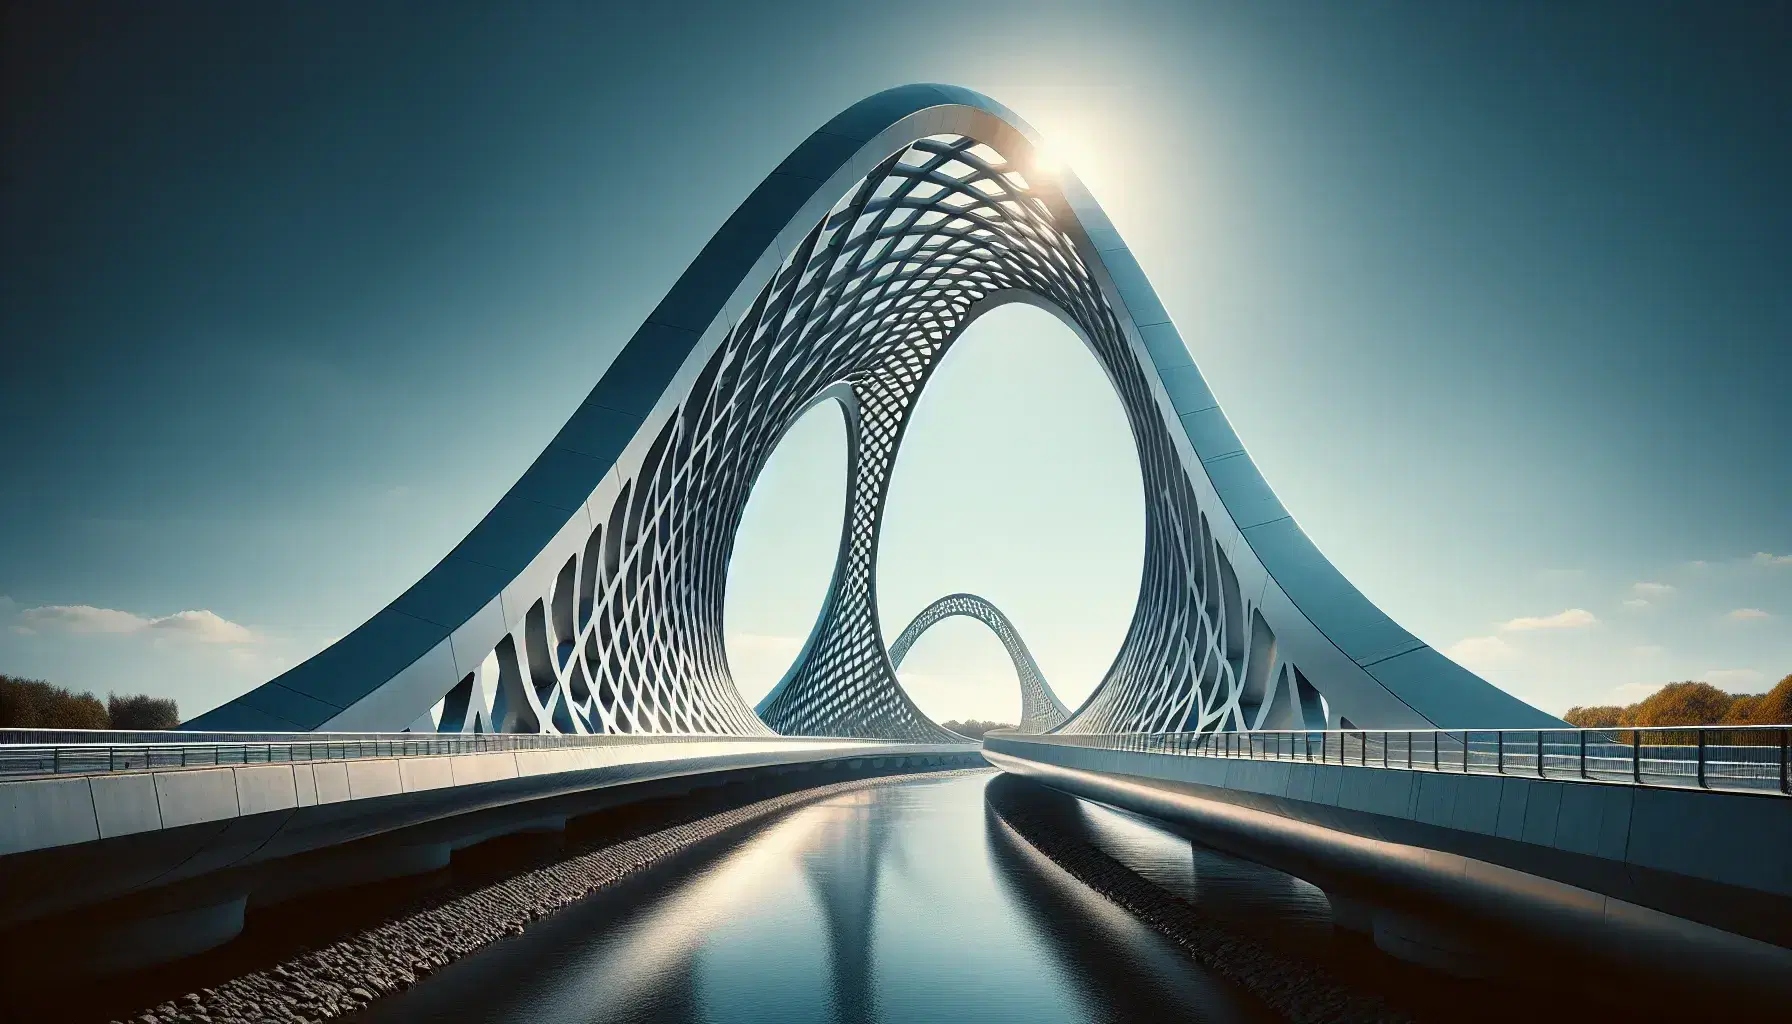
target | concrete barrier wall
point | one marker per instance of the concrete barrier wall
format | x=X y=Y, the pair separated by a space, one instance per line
x=66 y=843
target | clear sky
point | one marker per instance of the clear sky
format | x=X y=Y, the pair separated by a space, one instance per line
x=290 y=294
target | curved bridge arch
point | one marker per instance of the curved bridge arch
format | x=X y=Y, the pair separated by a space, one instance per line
x=1040 y=709
x=590 y=598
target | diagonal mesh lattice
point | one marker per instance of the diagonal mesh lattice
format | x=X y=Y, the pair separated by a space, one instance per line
x=1040 y=709
x=860 y=312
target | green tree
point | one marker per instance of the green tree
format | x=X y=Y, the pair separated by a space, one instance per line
x=1602 y=716
x=1773 y=707
x=1686 y=703
x=141 y=712
x=35 y=704
x=975 y=729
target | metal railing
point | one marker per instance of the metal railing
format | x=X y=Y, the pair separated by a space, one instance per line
x=26 y=753
x=1751 y=759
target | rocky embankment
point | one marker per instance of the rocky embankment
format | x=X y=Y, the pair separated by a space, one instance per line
x=346 y=975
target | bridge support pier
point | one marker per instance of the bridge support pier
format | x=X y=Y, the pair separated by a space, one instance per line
x=128 y=939
x=160 y=938
x=1417 y=939
x=351 y=868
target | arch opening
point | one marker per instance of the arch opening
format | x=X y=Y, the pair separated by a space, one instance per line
x=958 y=671
x=1018 y=480
x=785 y=550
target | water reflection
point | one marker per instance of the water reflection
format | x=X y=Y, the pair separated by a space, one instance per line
x=1285 y=911
x=901 y=902
x=1085 y=932
x=842 y=870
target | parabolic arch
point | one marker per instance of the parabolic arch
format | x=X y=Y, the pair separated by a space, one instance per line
x=590 y=598
x=1040 y=709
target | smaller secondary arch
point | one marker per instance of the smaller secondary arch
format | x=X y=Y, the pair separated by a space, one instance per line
x=1040 y=708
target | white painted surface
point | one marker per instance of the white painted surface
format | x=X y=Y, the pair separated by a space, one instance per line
x=368 y=779
x=304 y=784
x=419 y=773
x=190 y=797
x=332 y=781
x=125 y=804
x=267 y=787
x=46 y=812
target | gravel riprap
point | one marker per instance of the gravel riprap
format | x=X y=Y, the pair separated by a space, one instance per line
x=1303 y=992
x=348 y=974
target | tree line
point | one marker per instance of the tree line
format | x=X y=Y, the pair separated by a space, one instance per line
x=35 y=704
x=973 y=728
x=1691 y=703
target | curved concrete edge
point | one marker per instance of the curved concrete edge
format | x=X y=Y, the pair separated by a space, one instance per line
x=1512 y=904
x=71 y=843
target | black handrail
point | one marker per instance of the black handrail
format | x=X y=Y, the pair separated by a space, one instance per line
x=1747 y=759
x=68 y=755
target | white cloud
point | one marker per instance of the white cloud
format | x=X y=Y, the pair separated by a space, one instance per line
x=201 y=626
x=204 y=626
x=1573 y=618
x=1635 y=602
x=1748 y=615
x=1630 y=693
x=1764 y=558
x=1647 y=589
x=1481 y=652
x=1735 y=680
x=82 y=618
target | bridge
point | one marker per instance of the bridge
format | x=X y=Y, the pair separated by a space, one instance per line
x=568 y=652
x=1040 y=708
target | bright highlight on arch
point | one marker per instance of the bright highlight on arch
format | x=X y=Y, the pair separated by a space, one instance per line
x=591 y=598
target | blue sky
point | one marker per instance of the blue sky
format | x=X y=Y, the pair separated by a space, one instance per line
x=1496 y=296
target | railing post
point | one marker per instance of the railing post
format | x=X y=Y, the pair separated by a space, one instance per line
x=1636 y=756
x=1583 y=753
x=1465 y=751
x=1499 y=752
x=1701 y=759
x=1362 y=739
x=1409 y=750
x=1785 y=773
x=1434 y=765
x=1540 y=753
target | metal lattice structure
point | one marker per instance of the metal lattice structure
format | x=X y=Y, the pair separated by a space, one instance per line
x=590 y=599
x=1040 y=709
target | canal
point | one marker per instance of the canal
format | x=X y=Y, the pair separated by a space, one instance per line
x=905 y=901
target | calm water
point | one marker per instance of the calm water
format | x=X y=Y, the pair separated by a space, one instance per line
x=901 y=902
